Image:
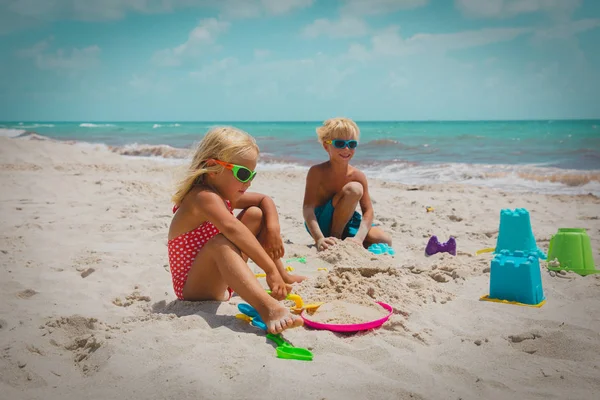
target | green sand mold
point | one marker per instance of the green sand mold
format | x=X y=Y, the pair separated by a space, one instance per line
x=573 y=250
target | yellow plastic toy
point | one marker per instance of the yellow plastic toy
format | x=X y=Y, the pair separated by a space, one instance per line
x=299 y=305
x=488 y=250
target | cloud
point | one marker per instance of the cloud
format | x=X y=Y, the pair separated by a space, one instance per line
x=278 y=7
x=257 y=8
x=567 y=29
x=149 y=83
x=345 y=27
x=200 y=38
x=374 y=7
x=389 y=42
x=510 y=8
x=318 y=76
x=22 y=14
x=75 y=59
x=260 y=54
x=358 y=52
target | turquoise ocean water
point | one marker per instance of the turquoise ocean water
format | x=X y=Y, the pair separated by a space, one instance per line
x=544 y=156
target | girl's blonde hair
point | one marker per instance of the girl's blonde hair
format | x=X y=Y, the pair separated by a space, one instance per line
x=337 y=128
x=221 y=143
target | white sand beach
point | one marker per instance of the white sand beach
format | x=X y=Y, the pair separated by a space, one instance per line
x=87 y=308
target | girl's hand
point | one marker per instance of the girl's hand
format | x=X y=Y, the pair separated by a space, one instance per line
x=324 y=243
x=279 y=289
x=270 y=240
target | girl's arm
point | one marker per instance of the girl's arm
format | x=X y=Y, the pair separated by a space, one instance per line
x=209 y=206
x=270 y=235
x=265 y=203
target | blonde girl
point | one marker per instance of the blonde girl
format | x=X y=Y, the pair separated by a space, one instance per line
x=208 y=246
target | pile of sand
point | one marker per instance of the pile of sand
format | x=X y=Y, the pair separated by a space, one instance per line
x=342 y=312
x=362 y=278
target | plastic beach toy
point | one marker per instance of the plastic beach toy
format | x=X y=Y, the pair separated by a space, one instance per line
x=299 y=303
x=434 y=246
x=349 y=327
x=515 y=278
x=255 y=318
x=381 y=248
x=283 y=349
x=572 y=248
x=299 y=259
x=287 y=351
x=515 y=233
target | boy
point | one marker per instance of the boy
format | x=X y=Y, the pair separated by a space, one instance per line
x=334 y=189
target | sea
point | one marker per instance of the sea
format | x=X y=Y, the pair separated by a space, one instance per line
x=546 y=156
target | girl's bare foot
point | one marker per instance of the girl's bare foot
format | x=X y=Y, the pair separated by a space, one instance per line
x=289 y=279
x=280 y=318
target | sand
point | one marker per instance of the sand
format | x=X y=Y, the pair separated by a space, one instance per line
x=87 y=309
x=346 y=313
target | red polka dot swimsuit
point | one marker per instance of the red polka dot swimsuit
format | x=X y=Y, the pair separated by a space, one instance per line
x=184 y=248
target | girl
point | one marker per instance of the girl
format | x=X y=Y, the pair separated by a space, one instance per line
x=209 y=247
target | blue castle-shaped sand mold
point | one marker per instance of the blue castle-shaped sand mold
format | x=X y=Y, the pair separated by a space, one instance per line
x=516 y=277
x=515 y=233
x=515 y=269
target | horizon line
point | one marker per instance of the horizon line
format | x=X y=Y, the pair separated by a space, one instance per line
x=23 y=121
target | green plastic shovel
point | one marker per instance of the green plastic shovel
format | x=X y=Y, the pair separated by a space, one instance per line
x=287 y=351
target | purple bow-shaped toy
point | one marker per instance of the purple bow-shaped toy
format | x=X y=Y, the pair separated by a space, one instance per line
x=434 y=246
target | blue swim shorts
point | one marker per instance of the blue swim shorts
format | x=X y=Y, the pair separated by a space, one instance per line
x=324 y=216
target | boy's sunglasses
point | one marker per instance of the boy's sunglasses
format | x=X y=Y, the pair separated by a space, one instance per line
x=240 y=172
x=341 y=144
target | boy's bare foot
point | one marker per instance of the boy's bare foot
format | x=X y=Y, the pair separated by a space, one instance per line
x=280 y=319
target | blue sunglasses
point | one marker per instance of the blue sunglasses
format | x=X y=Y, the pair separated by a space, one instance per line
x=341 y=144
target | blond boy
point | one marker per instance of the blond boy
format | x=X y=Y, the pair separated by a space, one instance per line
x=334 y=189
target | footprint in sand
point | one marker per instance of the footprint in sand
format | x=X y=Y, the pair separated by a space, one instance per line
x=130 y=299
x=556 y=343
x=27 y=293
x=80 y=335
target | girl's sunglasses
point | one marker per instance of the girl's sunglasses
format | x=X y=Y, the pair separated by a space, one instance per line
x=341 y=144
x=240 y=172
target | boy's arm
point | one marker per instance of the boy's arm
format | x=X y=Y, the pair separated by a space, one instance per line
x=366 y=207
x=311 y=191
x=311 y=198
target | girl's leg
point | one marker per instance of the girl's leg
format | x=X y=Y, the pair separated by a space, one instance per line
x=252 y=217
x=344 y=204
x=219 y=264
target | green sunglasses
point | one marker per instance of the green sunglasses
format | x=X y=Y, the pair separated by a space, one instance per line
x=240 y=172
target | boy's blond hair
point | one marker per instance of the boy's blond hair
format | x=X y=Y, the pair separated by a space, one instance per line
x=221 y=143
x=338 y=128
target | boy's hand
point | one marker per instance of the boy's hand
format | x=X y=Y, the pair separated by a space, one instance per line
x=324 y=243
x=279 y=289
x=270 y=239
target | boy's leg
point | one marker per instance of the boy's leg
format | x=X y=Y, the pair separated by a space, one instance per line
x=344 y=204
x=219 y=264
x=377 y=235
x=252 y=217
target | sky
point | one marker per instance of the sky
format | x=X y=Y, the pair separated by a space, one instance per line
x=296 y=60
